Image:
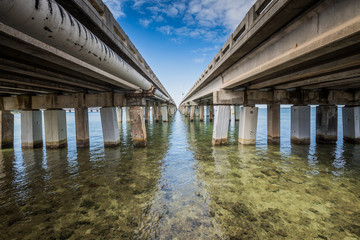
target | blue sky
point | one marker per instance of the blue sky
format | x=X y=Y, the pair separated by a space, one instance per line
x=178 y=38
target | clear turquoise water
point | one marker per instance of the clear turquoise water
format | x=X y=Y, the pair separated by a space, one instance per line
x=180 y=187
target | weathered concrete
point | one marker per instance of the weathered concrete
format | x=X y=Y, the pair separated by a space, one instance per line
x=197 y=111
x=300 y=124
x=192 y=113
x=110 y=127
x=156 y=113
x=147 y=113
x=248 y=125
x=138 y=126
x=186 y=111
x=127 y=114
x=351 y=124
x=237 y=110
x=31 y=129
x=326 y=124
x=273 y=123
x=201 y=113
x=6 y=129
x=119 y=115
x=55 y=128
x=164 y=113
x=221 y=125
x=211 y=113
x=82 y=127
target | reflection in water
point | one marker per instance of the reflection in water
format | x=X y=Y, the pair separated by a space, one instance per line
x=181 y=187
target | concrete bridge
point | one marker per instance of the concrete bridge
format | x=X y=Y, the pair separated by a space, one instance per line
x=286 y=52
x=72 y=54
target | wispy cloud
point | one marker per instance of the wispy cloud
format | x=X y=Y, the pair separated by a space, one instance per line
x=145 y=22
x=199 y=60
x=116 y=7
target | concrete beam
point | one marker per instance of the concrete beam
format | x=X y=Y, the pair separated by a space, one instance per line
x=138 y=129
x=273 y=123
x=351 y=124
x=326 y=124
x=300 y=124
x=221 y=125
x=6 y=129
x=248 y=125
x=55 y=128
x=31 y=129
x=110 y=127
x=82 y=127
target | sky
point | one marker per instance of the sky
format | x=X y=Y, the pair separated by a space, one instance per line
x=178 y=38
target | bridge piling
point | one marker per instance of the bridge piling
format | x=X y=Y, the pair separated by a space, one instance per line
x=201 y=113
x=164 y=113
x=147 y=113
x=138 y=129
x=300 y=124
x=237 y=112
x=248 y=125
x=351 y=124
x=82 y=127
x=31 y=129
x=119 y=115
x=273 y=123
x=192 y=113
x=110 y=126
x=55 y=128
x=127 y=114
x=211 y=113
x=6 y=129
x=326 y=124
x=221 y=125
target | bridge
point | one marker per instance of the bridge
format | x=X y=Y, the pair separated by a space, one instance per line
x=285 y=52
x=72 y=54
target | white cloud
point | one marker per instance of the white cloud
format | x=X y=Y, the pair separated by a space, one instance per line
x=199 y=60
x=116 y=7
x=145 y=22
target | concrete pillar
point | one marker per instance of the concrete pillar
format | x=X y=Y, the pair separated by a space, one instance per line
x=201 y=113
x=138 y=129
x=147 y=113
x=119 y=115
x=211 y=113
x=55 y=128
x=300 y=124
x=273 y=123
x=156 y=113
x=192 y=113
x=31 y=129
x=186 y=111
x=207 y=110
x=326 y=124
x=351 y=124
x=82 y=127
x=127 y=115
x=164 y=113
x=6 y=129
x=237 y=112
x=110 y=126
x=248 y=125
x=221 y=125
x=159 y=112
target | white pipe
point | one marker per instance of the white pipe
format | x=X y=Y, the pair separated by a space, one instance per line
x=47 y=21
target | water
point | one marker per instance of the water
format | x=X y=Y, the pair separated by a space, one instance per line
x=180 y=187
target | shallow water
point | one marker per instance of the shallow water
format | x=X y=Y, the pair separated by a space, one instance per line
x=180 y=187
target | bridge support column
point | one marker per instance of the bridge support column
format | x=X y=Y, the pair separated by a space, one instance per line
x=197 y=111
x=211 y=113
x=82 y=127
x=138 y=129
x=186 y=111
x=237 y=110
x=221 y=125
x=351 y=124
x=156 y=113
x=164 y=113
x=55 y=128
x=127 y=114
x=192 y=113
x=248 y=125
x=119 y=115
x=110 y=126
x=300 y=124
x=147 y=113
x=273 y=123
x=326 y=124
x=6 y=129
x=31 y=129
x=201 y=113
